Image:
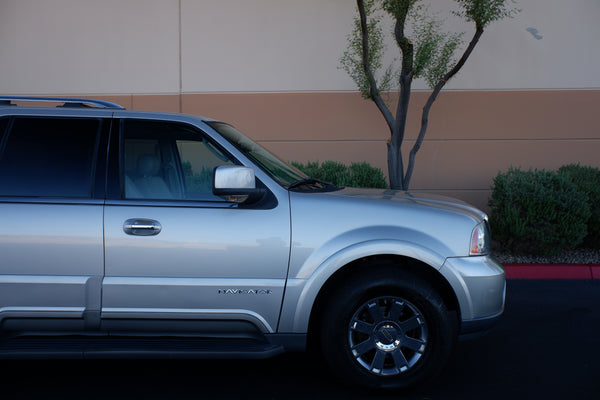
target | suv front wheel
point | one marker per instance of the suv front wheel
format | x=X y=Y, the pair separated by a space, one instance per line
x=386 y=329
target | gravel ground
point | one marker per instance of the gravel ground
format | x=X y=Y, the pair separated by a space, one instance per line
x=576 y=256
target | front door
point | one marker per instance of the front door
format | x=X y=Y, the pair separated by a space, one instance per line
x=176 y=253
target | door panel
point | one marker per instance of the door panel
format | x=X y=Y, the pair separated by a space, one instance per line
x=203 y=261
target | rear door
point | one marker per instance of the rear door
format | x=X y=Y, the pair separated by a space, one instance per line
x=177 y=253
x=52 y=171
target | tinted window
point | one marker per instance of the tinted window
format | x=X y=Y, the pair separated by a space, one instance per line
x=165 y=161
x=285 y=174
x=49 y=157
x=3 y=124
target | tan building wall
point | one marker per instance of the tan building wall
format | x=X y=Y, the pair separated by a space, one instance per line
x=271 y=68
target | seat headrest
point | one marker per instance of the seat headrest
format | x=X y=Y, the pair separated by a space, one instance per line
x=148 y=165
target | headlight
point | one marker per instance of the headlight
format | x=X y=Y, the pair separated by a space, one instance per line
x=480 y=240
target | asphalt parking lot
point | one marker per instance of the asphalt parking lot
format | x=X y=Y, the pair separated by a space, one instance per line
x=547 y=346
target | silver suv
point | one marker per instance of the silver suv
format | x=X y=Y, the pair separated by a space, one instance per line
x=127 y=234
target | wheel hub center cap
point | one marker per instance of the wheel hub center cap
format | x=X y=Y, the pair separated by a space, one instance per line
x=387 y=337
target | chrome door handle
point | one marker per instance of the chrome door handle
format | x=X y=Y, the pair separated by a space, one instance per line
x=142 y=227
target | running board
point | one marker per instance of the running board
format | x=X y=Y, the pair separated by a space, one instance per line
x=111 y=347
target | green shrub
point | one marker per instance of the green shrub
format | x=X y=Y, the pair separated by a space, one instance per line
x=587 y=180
x=537 y=212
x=359 y=174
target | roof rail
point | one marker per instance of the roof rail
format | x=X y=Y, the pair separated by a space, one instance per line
x=67 y=102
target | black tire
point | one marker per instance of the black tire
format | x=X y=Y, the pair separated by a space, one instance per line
x=387 y=329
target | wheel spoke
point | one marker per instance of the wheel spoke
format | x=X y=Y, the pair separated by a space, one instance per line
x=396 y=310
x=363 y=347
x=413 y=344
x=378 y=361
x=410 y=324
x=362 y=327
x=399 y=360
x=375 y=312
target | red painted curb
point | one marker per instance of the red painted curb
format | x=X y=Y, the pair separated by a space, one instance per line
x=552 y=271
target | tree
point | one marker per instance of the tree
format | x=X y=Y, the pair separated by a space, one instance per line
x=428 y=53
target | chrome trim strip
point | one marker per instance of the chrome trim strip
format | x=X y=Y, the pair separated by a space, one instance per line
x=186 y=313
x=41 y=312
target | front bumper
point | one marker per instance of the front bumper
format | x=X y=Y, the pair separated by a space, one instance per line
x=477 y=327
x=480 y=288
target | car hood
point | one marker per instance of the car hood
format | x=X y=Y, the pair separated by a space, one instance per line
x=423 y=199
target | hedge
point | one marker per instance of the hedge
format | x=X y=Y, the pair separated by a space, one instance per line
x=542 y=212
x=587 y=180
x=357 y=174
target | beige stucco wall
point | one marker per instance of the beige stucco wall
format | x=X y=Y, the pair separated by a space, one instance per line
x=206 y=46
x=81 y=47
x=527 y=97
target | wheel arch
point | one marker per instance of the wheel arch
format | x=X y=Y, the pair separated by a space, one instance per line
x=413 y=266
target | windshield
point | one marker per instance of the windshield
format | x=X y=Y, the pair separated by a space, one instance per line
x=283 y=173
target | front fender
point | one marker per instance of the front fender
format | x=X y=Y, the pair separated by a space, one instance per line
x=301 y=291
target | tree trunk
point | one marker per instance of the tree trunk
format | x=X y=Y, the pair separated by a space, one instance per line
x=395 y=164
x=395 y=159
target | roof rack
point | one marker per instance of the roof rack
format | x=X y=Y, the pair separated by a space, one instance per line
x=67 y=102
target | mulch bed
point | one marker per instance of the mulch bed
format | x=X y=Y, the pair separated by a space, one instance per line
x=576 y=256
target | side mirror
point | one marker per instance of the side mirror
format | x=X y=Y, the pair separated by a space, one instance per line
x=236 y=184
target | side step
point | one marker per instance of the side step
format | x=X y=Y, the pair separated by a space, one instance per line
x=110 y=347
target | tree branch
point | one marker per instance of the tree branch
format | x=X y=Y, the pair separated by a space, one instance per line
x=432 y=97
x=373 y=90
